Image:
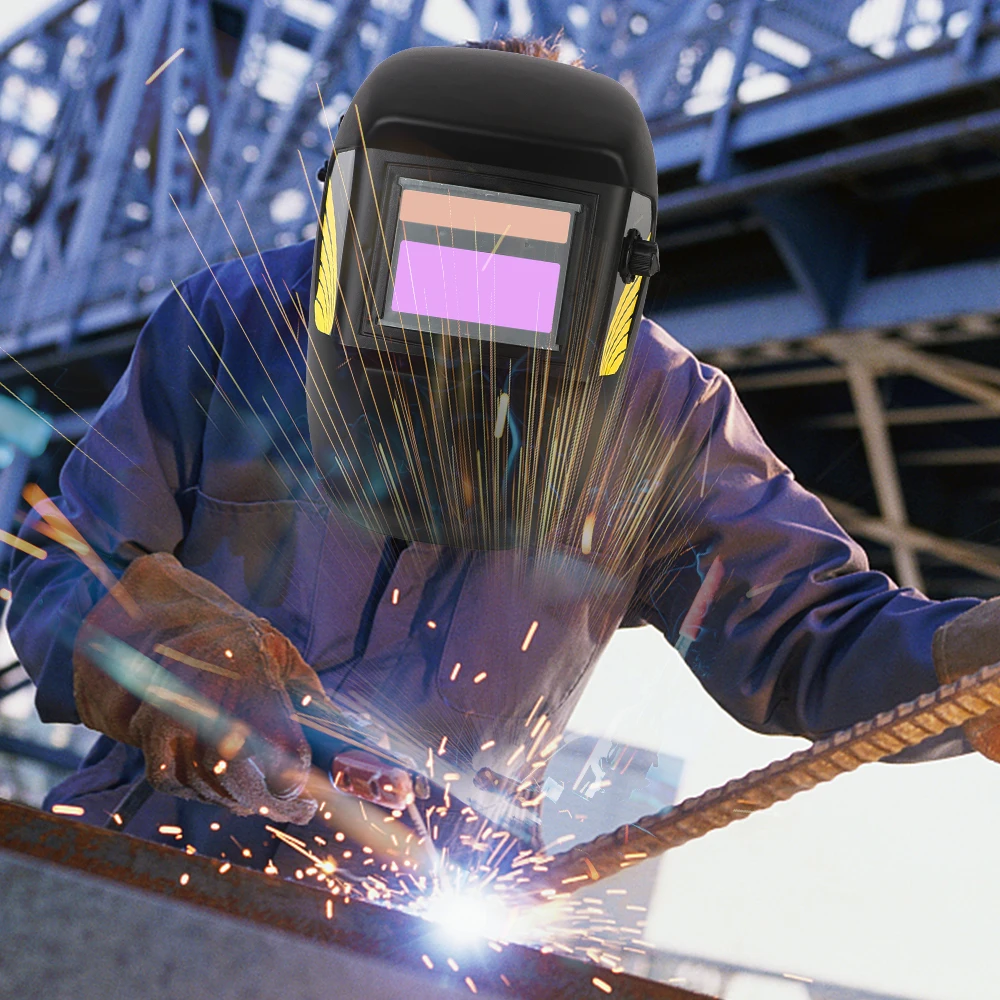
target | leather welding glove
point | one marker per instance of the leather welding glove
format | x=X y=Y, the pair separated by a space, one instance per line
x=962 y=646
x=230 y=658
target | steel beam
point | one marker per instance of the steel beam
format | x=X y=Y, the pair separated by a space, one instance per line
x=951 y=456
x=879 y=88
x=882 y=466
x=942 y=293
x=90 y=223
x=823 y=244
x=886 y=151
x=909 y=416
x=376 y=951
x=66 y=760
x=715 y=158
x=981 y=559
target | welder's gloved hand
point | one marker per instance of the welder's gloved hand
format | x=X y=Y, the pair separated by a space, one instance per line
x=232 y=659
x=962 y=646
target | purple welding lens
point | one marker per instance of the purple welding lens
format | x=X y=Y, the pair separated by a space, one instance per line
x=472 y=286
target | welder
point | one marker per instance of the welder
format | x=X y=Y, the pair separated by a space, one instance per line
x=428 y=464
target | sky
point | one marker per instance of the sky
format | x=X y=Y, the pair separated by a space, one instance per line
x=13 y=15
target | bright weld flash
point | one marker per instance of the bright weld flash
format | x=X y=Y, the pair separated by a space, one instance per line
x=464 y=918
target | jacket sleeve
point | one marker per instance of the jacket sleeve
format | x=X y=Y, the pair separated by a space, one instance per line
x=771 y=604
x=123 y=488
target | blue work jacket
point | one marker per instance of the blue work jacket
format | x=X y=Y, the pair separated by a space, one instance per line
x=202 y=450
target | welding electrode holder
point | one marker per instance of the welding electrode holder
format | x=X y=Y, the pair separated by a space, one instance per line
x=331 y=734
x=351 y=758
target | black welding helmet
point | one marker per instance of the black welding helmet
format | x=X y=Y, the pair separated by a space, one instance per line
x=484 y=241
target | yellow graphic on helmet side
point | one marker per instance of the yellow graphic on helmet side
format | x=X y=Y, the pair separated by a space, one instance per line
x=326 y=284
x=616 y=342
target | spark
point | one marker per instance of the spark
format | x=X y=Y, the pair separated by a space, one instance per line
x=395 y=595
x=529 y=636
x=224 y=867
x=587 y=539
x=63 y=810
x=169 y=830
x=501 y=422
x=488 y=744
x=441 y=748
x=538 y=725
x=19 y=543
x=481 y=676
x=426 y=960
x=453 y=965
x=432 y=624
x=801 y=979
x=455 y=670
x=534 y=709
x=56 y=519
x=184 y=879
x=496 y=247
x=471 y=984
x=193 y=661
x=156 y=72
x=61 y=537
x=5 y=594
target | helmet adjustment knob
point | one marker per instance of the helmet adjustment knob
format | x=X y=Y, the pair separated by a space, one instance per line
x=639 y=257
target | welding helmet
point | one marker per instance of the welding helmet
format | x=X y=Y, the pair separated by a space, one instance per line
x=484 y=245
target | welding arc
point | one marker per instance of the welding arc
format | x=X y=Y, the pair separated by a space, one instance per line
x=907 y=725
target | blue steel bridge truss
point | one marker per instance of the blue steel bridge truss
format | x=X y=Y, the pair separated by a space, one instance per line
x=96 y=169
x=829 y=208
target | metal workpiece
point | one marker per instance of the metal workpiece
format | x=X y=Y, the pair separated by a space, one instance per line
x=889 y=733
x=97 y=913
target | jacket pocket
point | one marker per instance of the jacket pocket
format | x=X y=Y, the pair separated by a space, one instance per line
x=265 y=555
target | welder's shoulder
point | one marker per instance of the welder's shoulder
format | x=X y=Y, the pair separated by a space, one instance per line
x=656 y=353
x=246 y=290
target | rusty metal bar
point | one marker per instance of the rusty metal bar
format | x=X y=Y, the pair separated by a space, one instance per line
x=907 y=725
x=394 y=938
